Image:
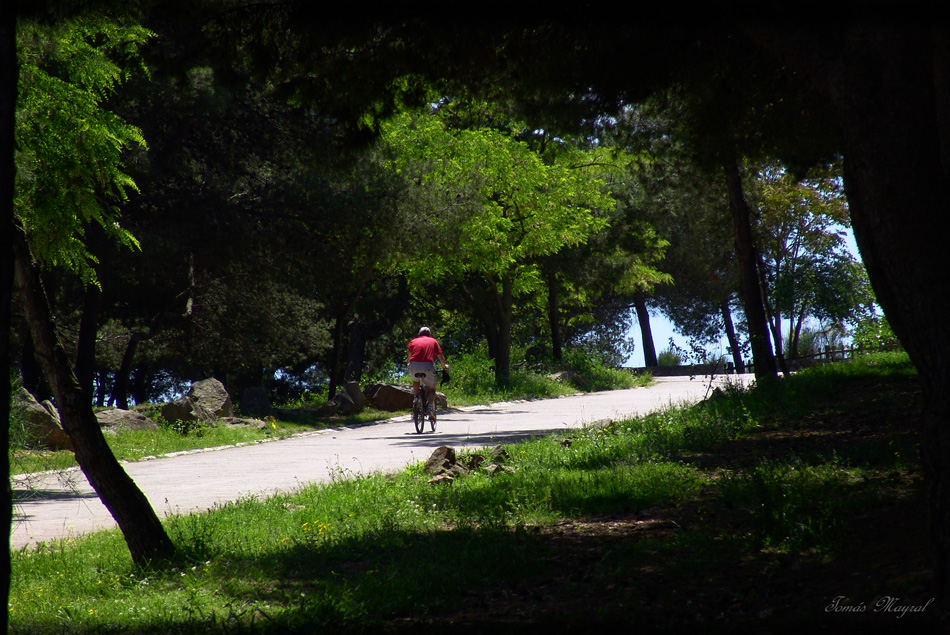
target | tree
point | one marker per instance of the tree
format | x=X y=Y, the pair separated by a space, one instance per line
x=510 y=209
x=8 y=93
x=885 y=83
x=69 y=173
x=806 y=268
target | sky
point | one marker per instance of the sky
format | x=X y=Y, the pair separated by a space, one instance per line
x=663 y=329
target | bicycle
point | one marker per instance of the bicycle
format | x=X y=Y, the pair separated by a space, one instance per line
x=419 y=407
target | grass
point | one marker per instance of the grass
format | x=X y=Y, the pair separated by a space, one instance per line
x=748 y=513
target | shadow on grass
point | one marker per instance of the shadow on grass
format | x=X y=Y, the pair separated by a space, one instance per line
x=694 y=566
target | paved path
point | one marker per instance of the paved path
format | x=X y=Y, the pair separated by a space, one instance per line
x=52 y=506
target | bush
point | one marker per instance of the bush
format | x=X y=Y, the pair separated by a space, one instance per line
x=668 y=358
x=873 y=331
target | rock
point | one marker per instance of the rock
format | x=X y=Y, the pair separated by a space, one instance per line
x=389 y=397
x=474 y=462
x=396 y=397
x=445 y=466
x=355 y=394
x=441 y=459
x=255 y=402
x=498 y=454
x=180 y=410
x=114 y=419
x=328 y=409
x=207 y=400
x=568 y=376
x=40 y=423
x=242 y=421
x=344 y=403
x=210 y=396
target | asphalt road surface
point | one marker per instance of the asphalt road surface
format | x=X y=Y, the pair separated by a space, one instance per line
x=50 y=506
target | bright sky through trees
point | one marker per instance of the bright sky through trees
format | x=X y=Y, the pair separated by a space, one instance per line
x=663 y=329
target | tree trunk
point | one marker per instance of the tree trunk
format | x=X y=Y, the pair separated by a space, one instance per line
x=503 y=351
x=8 y=99
x=763 y=359
x=646 y=333
x=120 y=390
x=554 y=315
x=143 y=532
x=796 y=335
x=773 y=317
x=336 y=355
x=890 y=88
x=899 y=195
x=356 y=350
x=481 y=307
x=30 y=371
x=731 y=337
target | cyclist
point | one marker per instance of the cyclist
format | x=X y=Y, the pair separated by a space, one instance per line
x=423 y=351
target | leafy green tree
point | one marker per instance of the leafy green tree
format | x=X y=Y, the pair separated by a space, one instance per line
x=69 y=175
x=70 y=172
x=806 y=268
x=501 y=208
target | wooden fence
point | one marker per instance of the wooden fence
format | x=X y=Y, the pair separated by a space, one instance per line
x=828 y=354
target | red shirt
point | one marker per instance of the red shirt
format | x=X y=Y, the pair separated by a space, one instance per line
x=424 y=349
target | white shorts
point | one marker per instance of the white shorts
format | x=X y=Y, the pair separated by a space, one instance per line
x=423 y=367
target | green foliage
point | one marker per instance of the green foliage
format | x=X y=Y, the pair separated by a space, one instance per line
x=873 y=330
x=501 y=203
x=473 y=381
x=669 y=358
x=70 y=146
x=596 y=374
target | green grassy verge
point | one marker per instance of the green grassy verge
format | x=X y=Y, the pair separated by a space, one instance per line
x=752 y=510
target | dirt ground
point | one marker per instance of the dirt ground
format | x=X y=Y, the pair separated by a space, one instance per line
x=879 y=581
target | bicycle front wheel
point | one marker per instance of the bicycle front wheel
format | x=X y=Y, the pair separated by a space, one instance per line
x=432 y=419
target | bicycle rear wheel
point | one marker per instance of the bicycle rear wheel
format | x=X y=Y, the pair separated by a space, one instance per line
x=418 y=413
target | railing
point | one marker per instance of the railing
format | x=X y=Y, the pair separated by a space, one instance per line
x=842 y=352
x=827 y=354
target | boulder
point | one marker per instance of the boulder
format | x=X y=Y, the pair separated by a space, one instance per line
x=207 y=400
x=255 y=402
x=114 y=419
x=389 y=397
x=568 y=377
x=40 y=422
x=355 y=394
x=442 y=458
x=179 y=410
x=210 y=396
x=344 y=403
x=396 y=397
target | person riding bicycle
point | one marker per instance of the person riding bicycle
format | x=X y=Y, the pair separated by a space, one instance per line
x=423 y=351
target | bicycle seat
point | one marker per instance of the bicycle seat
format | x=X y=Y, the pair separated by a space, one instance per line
x=420 y=374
